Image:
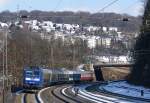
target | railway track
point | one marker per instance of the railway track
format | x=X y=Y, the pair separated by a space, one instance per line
x=54 y=94
x=83 y=97
x=65 y=94
x=30 y=98
x=58 y=93
x=107 y=97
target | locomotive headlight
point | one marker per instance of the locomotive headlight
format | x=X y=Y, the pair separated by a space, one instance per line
x=27 y=78
x=36 y=79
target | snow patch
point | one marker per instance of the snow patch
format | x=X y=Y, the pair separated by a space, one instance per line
x=126 y=89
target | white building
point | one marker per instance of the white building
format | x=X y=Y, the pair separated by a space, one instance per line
x=47 y=23
x=92 y=28
x=104 y=41
x=3 y=25
x=35 y=27
x=113 y=29
x=104 y=29
x=91 y=41
x=35 y=22
x=68 y=27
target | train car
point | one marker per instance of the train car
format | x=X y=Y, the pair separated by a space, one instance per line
x=33 y=77
x=61 y=75
x=76 y=77
x=86 y=76
x=67 y=77
x=47 y=77
x=70 y=76
x=54 y=77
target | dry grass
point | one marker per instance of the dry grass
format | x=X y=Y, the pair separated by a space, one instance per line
x=31 y=98
x=18 y=99
x=0 y=98
x=115 y=73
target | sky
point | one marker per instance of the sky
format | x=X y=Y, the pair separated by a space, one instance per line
x=131 y=7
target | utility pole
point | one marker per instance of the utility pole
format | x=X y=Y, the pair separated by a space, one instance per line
x=5 y=66
x=73 y=56
x=3 y=70
x=52 y=53
x=18 y=18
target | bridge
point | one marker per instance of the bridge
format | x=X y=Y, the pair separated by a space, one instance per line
x=112 y=65
x=98 y=71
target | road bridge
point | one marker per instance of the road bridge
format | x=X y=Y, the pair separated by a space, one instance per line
x=112 y=65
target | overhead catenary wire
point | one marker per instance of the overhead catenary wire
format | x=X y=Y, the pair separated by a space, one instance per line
x=127 y=8
x=130 y=6
x=60 y=1
x=57 y=5
x=69 y=16
x=102 y=9
x=108 y=5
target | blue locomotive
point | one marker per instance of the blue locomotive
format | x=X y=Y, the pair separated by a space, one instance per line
x=38 y=77
x=33 y=77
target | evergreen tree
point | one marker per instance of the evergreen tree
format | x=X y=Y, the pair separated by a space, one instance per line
x=140 y=73
x=146 y=18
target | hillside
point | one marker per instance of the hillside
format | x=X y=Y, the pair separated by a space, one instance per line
x=82 y=18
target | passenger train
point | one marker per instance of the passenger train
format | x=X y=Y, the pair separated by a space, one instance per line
x=37 y=77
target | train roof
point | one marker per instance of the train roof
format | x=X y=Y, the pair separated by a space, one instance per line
x=47 y=70
x=32 y=68
x=56 y=70
x=59 y=71
x=53 y=70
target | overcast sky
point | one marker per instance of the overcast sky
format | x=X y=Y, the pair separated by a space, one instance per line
x=131 y=7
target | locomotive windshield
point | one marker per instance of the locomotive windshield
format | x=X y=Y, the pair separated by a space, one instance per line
x=29 y=73
x=32 y=73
